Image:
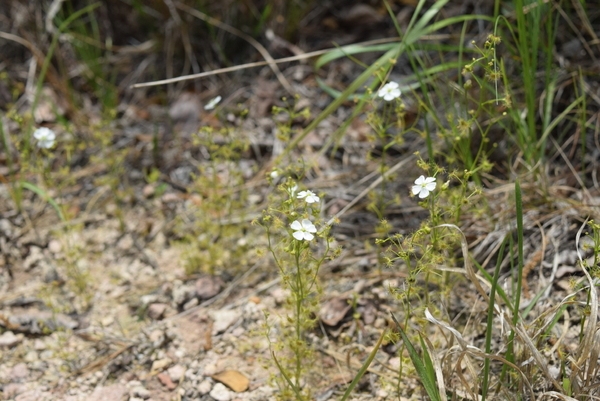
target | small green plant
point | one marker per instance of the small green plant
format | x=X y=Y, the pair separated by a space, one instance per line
x=220 y=205
x=387 y=125
x=423 y=365
x=294 y=242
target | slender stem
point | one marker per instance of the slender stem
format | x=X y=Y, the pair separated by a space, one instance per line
x=299 y=300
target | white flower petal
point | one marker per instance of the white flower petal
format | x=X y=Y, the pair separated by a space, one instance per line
x=424 y=193
x=308 y=236
x=211 y=105
x=420 y=180
x=299 y=235
x=296 y=225
x=308 y=226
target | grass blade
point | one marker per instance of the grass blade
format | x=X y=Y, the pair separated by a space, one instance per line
x=490 y=321
x=44 y=195
x=424 y=367
x=364 y=367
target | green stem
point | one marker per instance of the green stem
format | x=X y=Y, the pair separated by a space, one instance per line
x=299 y=300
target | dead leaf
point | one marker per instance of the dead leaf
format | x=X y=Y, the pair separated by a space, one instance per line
x=233 y=379
x=334 y=311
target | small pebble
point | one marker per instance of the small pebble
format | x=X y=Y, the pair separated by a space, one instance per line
x=54 y=246
x=9 y=339
x=156 y=310
x=204 y=387
x=19 y=372
x=223 y=319
x=209 y=369
x=220 y=393
x=47 y=354
x=166 y=381
x=140 y=392
x=176 y=373
x=190 y=304
x=31 y=356
x=160 y=364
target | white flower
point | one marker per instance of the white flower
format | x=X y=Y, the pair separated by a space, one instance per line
x=304 y=230
x=45 y=137
x=423 y=186
x=274 y=174
x=292 y=190
x=308 y=196
x=211 y=105
x=390 y=91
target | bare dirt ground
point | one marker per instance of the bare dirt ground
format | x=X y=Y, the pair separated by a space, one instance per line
x=140 y=326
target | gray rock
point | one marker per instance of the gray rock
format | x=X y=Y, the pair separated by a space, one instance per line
x=114 y=392
x=140 y=392
x=204 y=387
x=156 y=311
x=183 y=293
x=176 y=373
x=19 y=372
x=223 y=319
x=8 y=339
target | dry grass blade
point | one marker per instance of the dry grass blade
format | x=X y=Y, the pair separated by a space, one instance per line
x=558 y=395
x=299 y=57
x=234 y=31
x=587 y=343
x=468 y=266
x=577 y=30
x=470 y=350
x=51 y=74
x=461 y=341
x=535 y=353
x=588 y=27
x=469 y=384
x=375 y=183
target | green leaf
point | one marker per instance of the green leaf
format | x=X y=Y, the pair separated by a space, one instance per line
x=44 y=195
x=424 y=367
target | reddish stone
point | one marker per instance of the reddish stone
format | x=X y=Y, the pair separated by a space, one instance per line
x=166 y=381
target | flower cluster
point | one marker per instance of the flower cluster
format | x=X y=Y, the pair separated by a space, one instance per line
x=389 y=91
x=304 y=230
